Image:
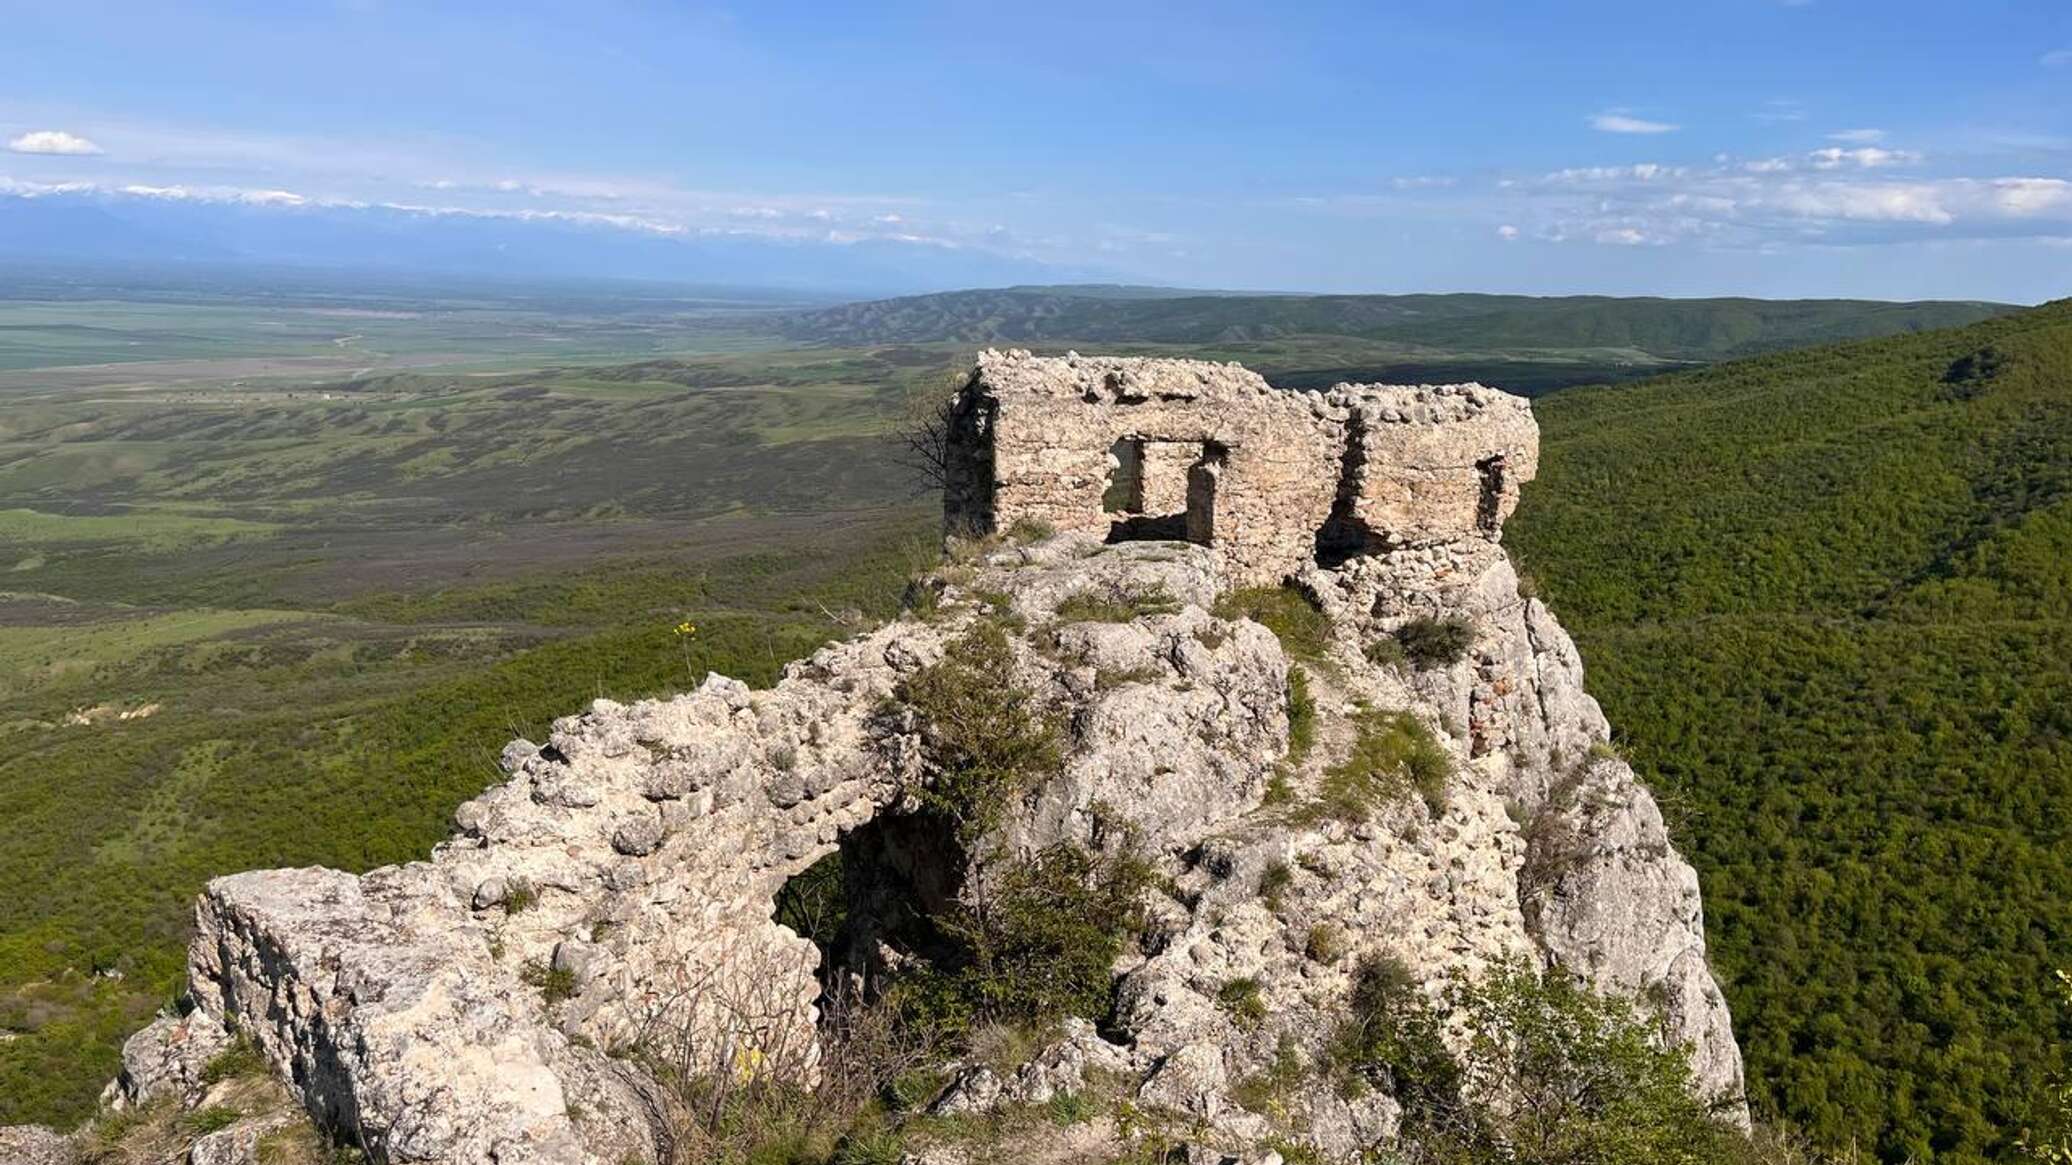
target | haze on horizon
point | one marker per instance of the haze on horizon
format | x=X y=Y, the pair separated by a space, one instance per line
x=1896 y=149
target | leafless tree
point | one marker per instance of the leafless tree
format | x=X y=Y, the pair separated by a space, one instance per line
x=924 y=435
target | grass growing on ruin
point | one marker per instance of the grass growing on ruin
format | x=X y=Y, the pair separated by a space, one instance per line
x=1393 y=756
x=1303 y=629
x=1302 y=716
x=1119 y=607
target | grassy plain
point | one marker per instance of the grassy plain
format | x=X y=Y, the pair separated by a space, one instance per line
x=263 y=621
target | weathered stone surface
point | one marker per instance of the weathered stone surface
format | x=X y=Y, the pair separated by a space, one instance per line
x=35 y=1145
x=168 y=1060
x=631 y=859
x=1620 y=907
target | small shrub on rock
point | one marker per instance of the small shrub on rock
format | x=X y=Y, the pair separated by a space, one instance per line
x=520 y=897
x=1326 y=942
x=242 y=1059
x=986 y=739
x=1582 y=1077
x=1386 y=652
x=1274 y=881
x=555 y=984
x=1429 y=642
x=1241 y=998
x=1038 y=939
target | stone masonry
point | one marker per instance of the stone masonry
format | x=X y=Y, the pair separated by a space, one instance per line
x=1134 y=447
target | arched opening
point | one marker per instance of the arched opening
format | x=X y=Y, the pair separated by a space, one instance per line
x=877 y=896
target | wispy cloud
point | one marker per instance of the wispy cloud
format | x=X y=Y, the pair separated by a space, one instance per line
x=1867 y=157
x=1777 y=200
x=1781 y=109
x=1858 y=137
x=1620 y=121
x=53 y=141
x=1507 y=232
x=2055 y=58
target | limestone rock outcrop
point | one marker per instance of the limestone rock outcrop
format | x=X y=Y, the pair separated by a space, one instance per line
x=614 y=893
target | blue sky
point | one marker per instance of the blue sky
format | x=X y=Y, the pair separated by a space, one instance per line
x=1895 y=148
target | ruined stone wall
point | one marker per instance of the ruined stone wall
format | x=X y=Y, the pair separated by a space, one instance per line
x=1265 y=477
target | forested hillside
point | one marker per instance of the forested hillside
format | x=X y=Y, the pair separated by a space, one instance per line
x=1826 y=599
x=1666 y=329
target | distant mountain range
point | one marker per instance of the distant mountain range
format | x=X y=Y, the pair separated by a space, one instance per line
x=98 y=227
x=1663 y=330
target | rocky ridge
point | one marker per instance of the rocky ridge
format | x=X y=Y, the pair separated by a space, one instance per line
x=614 y=893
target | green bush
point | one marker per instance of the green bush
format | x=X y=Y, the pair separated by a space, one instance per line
x=555 y=985
x=215 y=1118
x=1037 y=938
x=1266 y=1092
x=987 y=740
x=1241 y=998
x=1393 y=755
x=520 y=897
x=2047 y=1139
x=1429 y=642
x=1550 y=1073
x=1303 y=629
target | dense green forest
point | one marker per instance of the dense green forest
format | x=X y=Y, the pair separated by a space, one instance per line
x=1826 y=599
x=1665 y=329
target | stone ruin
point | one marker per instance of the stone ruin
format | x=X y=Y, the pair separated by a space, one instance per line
x=1270 y=481
x=632 y=859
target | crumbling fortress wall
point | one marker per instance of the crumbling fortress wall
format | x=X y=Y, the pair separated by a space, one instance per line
x=1271 y=481
x=609 y=903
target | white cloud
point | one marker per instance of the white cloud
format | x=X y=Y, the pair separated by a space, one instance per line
x=1781 y=109
x=2032 y=196
x=1507 y=232
x=1858 y=202
x=2055 y=58
x=1868 y=157
x=1638 y=172
x=1857 y=137
x=53 y=141
x=1619 y=121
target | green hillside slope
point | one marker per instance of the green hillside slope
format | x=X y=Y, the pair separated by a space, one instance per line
x=1669 y=329
x=1826 y=599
